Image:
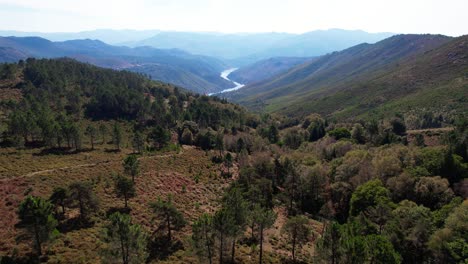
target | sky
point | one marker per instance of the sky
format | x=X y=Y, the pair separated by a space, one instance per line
x=448 y=17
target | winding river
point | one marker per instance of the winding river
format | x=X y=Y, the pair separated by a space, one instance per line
x=225 y=75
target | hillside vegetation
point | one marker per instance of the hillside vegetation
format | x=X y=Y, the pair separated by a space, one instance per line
x=401 y=74
x=106 y=166
x=265 y=69
x=193 y=72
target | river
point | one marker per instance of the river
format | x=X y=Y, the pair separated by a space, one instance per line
x=225 y=75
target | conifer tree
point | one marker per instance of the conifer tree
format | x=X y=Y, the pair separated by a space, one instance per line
x=124 y=188
x=171 y=218
x=36 y=214
x=125 y=242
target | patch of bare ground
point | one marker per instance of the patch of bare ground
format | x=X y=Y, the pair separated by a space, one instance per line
x=432 y=136
x=11 y=194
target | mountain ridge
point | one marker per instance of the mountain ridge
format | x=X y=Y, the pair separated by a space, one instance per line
x=206 y=69
x=325 y=84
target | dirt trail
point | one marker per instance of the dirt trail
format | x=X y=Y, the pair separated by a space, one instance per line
x=65 y=168
x=31 y=174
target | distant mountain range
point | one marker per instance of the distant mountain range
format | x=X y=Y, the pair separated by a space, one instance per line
x=194 y=72
x=110 y=36
x=169 y=56
x=242 y=49
x=239 y=49
x=397 y=74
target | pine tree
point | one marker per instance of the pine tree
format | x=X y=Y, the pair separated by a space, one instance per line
x=138 y=142
x=297 y=231
x=224 y=224
x=103 y=131
x=124 y=188
x=117 y=135
x=131 y=166
x=83 y=197
x=235 y=205
x=126 y=242
x=59 y=197
x=36 y=214
x=91 y=133
x=203 y=236
x=264 y=219
x=171 y=218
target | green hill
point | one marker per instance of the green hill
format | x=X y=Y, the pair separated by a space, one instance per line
x=265 y=69
x=194 y=72
x=398 y=74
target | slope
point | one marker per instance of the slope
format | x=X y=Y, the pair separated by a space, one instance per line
x=197 y=73
x=365 y=75
x=265 y=69
x=243 y=49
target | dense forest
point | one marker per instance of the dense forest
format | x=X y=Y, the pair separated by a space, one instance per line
x=121 y=169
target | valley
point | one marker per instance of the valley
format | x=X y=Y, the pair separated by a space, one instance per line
x=160 y=146
x=225 y=75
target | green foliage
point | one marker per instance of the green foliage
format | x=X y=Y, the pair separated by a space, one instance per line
x=131 y=166
x=57 y=93
x=103 y=131
x=36 y=214
x=450 y=242
x=138 y=142
x=59 y=197
x=358 y=134
x=263 y=218
x=168 y=215
x=357 y=83
x=83 y=197
x=8 y=71
x=348 y=243
x=398 y=126
x=370 y=194
x=125 y=242
x=203 y=237
x=117 y=135
x=381 y=251
x=160 y=137
x=273 y=134
x=433 y=192
x=298 y=231
x=432 y=159
x=409 y=230
x=124 y=187
x=294 y=138
x=91 y=132
x=339 y=133
x=440 y=215
x=315 y=126
x=224 y=224
x=187 y=137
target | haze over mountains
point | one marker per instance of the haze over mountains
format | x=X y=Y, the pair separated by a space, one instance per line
x=248 y=48
x=239 y=48
x=190 y=60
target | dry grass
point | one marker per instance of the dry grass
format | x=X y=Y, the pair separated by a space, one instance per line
x=189 y=177
x=163 y=175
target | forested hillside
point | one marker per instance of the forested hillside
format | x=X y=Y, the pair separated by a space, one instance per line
x=105 y=166
x=194 y=72
x=402 y=74
x=265 y=69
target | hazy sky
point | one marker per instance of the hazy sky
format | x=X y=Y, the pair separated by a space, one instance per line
x=400 y=16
